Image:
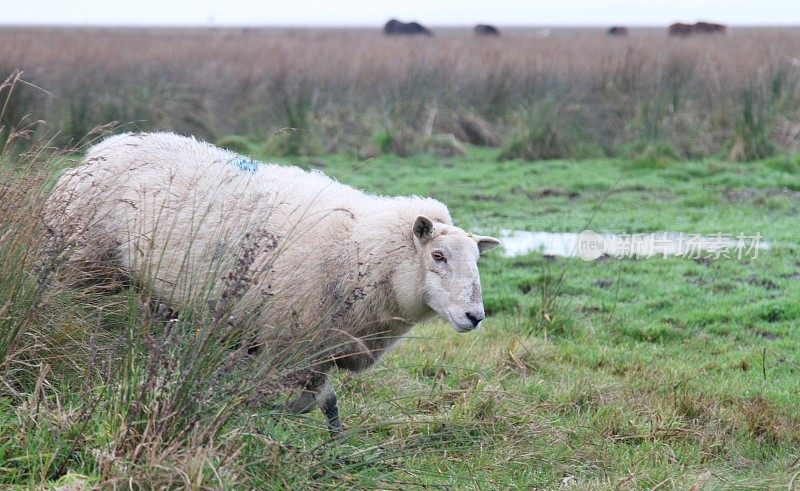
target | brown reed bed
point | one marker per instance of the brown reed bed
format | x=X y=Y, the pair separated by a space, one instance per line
x=574 y=93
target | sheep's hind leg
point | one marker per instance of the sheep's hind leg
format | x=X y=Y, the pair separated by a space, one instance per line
x=323 y=396
x=304 y=403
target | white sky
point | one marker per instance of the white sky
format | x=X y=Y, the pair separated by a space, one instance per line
x=375 y=13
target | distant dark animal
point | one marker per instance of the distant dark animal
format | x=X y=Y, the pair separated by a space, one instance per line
x=684 y=30
x=680 y=29
x=618 y=31
x=396 y=28
x=486 y=30
x=709 y=28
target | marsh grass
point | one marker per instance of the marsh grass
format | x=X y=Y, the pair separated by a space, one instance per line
x=575 y=93
x=109 y=382
x=111 y=386
x=650 y=377
x=679 y=375
x=552 y=130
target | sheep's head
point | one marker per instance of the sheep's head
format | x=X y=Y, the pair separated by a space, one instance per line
x=449 y=261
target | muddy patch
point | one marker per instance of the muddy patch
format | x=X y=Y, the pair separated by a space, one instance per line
x=758 y=195
x=545 y=193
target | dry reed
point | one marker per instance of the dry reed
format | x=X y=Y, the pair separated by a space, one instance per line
x=338 y=89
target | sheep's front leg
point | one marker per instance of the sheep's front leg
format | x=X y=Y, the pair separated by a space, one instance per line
x=321 y=394
x=328 y=404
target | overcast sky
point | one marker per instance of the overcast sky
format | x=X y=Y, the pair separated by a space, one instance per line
x=369 y=13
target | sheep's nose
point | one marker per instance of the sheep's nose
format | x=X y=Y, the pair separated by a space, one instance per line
x=475 y=318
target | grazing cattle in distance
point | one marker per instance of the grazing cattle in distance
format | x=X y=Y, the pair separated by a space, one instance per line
x=708 y=28
x=486 y=30
x=618 y=31
x=396 y=28
x=680 y=29
x=683 y=30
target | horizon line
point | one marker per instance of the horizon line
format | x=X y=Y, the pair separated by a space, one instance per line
x=374 y=26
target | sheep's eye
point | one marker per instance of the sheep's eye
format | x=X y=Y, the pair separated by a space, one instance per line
x=438 y=256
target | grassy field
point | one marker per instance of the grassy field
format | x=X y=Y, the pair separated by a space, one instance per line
x=617 y=373
x=661 y=371
x=572 y=93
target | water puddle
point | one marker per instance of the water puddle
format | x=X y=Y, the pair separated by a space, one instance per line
x=589 y=245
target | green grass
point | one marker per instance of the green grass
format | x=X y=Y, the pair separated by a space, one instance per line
x=660 y=369
x=667 y=373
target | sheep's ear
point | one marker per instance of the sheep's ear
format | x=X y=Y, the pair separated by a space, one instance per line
x=423 y=229
x=486 y=243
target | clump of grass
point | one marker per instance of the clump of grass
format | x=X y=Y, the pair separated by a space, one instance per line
x=384 y=140
x=443 y=145
x=29 y=256
x=499 y=304
x=43 y=345
x=397 y=140
x=751 y=133
x=784 y=164
x=768 y=423
x=467 y=127
x=653 y=145
x=292 y=142
x=694 y=408
x=16 y=99
x=24 y=280
x=548 y=132
x=653 y=155
x=550 y=315
x=235 y=143
x=298 y=137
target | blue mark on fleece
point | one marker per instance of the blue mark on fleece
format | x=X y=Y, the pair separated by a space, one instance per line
x=246 y=164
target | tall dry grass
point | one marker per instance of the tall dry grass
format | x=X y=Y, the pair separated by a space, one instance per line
x=104 y=387
x=574 y=93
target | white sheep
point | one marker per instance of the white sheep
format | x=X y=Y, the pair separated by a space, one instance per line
x=338 y=271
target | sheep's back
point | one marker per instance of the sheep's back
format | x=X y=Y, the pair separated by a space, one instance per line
x=179 y=212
